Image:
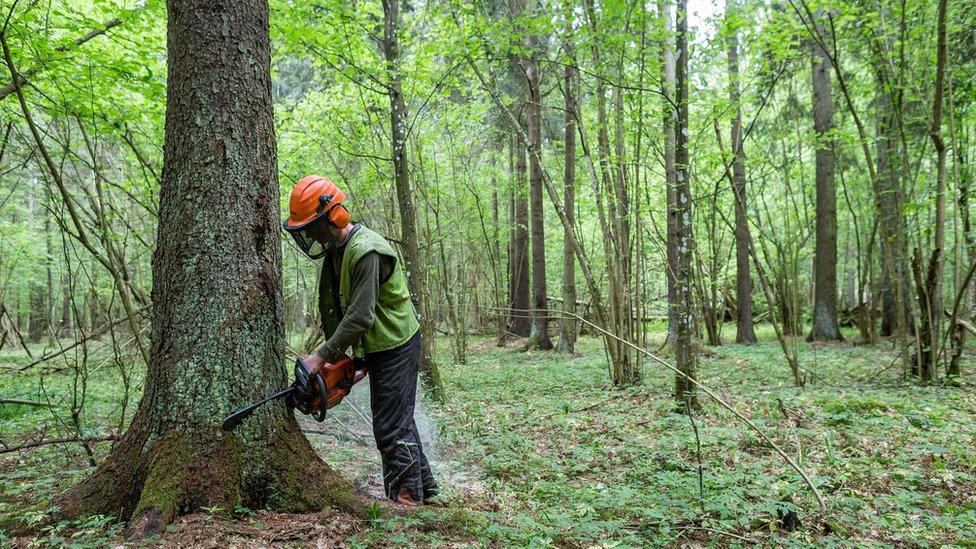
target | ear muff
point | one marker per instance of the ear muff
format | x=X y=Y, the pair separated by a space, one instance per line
x=339 y=216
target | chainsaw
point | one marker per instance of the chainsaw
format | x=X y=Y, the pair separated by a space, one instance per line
x=311 y=395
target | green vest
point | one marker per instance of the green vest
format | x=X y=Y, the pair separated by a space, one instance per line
x=395 y=320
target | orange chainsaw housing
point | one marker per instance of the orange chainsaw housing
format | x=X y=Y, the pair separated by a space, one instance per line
x=339 y=378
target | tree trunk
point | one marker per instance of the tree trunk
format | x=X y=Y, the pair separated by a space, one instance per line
x=521 y=323
x=412 y=260
x=892 y=256
x=744 y=330
x=35 y=314
x=685 y=352
x=217 y=322
x=670 y=116
x=64 y=328
x=539 y=332
x=824 y=326
x=932 y=347
x=496 y=254
x=567 y=326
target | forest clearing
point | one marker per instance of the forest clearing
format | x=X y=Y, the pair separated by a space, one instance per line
x=541 y=273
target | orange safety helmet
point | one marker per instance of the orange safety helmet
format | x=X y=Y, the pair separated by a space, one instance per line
x=314 y=198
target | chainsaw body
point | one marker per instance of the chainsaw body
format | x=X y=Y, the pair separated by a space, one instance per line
x=331 y=384
x=310 y=394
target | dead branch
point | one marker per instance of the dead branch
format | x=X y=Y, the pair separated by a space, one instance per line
x=20 y=402
x=27 y=445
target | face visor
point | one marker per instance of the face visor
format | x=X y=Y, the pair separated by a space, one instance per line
x=314 y=239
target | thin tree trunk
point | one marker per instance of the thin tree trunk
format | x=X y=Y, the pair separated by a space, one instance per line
x=744 y=330
x=567 y=326
x=824 y=326
x=685 y=352
x=413 y=262
x=670 y=116
x=930 y=358
x=521 y=322
x=539 y=332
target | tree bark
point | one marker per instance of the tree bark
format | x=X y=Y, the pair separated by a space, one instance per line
x=892 y=256
x=685 y=352
x=413 y=262
x=567 y=326
x=744 y=329
x=824 y=326
x=932 y=348
x=539 y=332
x=521 y=322
x=217 y=321
x=670 y=116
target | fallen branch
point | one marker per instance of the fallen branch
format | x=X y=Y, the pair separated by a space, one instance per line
x=44 y=442
x=26 y=403
x=967 y=325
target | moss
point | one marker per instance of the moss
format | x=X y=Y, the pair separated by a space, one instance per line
x=303 y=482
x=165 y=489
x=186 y=475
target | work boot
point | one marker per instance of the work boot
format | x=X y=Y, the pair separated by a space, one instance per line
x=405 y=498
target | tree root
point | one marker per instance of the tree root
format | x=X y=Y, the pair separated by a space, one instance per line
x=181 y=472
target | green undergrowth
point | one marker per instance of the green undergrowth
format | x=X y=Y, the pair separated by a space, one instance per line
x=536 y=449
x=572 y=461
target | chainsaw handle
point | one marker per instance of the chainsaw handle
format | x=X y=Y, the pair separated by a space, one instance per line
x=323 y=394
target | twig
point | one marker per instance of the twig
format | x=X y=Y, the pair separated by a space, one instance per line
x=589 y=407
x=100 y=331
x=360 y=414
x=13 y=325
x=720 y=532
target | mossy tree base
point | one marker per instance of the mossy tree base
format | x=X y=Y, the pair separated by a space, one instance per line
x=149 y=485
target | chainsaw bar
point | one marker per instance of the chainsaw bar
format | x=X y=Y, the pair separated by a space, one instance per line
x=232 y=421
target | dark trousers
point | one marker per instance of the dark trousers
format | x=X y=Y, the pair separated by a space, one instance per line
x=392 y=397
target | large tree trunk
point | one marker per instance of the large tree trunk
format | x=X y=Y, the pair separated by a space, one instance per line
x=744 y=329
x=567 y=326
x=539 y=333
x=824 y=326
x=412 y=260
x=685 y=352
x=217 y=321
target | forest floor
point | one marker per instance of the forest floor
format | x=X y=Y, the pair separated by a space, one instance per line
x=536 y=449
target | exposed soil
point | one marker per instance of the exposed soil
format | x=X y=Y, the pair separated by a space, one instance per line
x=323 y=530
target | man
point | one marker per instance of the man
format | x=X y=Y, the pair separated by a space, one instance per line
x=364 y=303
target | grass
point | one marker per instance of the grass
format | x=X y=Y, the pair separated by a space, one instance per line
x=538 y=450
